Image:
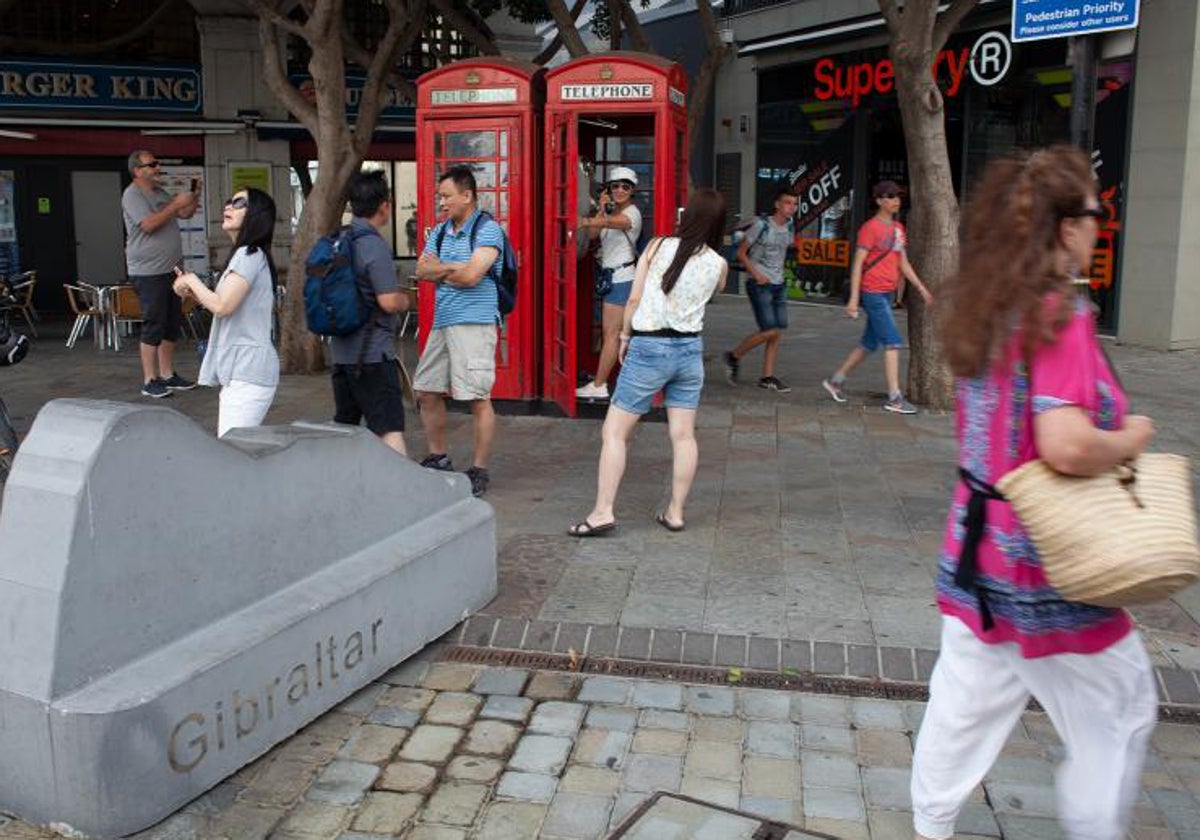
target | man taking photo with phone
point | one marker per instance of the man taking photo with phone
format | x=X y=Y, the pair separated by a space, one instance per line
x=153 y=248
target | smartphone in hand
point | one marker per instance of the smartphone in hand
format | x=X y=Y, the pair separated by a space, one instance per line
x=195 y=184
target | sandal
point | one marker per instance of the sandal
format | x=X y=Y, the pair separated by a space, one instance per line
x=661 y=519
x=587 y=529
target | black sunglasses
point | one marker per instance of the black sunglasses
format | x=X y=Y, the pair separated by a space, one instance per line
x=1097 y=213
x=238 y=202
x=620 y=185
x=153 y=164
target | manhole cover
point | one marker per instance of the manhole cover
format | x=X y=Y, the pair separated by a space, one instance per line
x=672 y=816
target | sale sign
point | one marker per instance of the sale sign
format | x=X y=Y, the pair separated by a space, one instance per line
x=824 y=176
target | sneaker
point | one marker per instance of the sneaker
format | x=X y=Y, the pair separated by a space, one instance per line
x=156 y=388
x=479 y=480
x=591 y=391
x=772 y=384
x=731 y=368
x=900 y=406
x=834 y=389
x=175 y=382
x=439 y=462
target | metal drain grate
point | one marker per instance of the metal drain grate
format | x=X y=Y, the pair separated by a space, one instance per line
x=691 y=816
x=809 y=682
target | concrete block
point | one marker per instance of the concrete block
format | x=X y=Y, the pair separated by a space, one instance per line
x=530 y=787
x=557 y=718
x=577 y=816
x=541 y=754
x=135 y=677
x=502 y=707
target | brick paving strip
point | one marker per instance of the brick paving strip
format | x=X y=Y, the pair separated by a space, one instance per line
x=895 y=667
x=448 y=751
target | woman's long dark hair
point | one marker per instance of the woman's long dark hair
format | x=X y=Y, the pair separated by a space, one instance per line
x=703 y=223
x=258 y=228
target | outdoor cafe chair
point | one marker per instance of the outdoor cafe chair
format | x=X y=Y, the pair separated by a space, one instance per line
x=23 y=285
x=125 y=310
x=87 y=302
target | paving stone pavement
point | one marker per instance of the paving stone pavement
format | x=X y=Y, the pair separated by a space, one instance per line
x=829 y=764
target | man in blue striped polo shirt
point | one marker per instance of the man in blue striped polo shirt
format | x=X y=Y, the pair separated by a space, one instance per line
x=460 y=355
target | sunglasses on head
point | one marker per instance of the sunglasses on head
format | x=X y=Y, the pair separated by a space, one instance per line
x=620 y=185
x=238 y=202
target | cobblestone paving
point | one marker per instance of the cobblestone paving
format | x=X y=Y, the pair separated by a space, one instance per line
x=448 y=751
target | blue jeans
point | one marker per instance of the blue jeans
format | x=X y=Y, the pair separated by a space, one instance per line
x=881 y=323
x=769 y=303
x=674 y=366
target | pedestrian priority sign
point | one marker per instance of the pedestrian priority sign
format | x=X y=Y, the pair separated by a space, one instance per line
x=1034 y=20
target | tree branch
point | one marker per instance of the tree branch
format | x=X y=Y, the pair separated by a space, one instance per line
x=54 y=47
x=891 y=16
x=949 y=21
x=637 y=35
x=268 y=12
x=466 y=27
x=403 y=28
x=275 y=75
x=556 y=43
x=566 y=28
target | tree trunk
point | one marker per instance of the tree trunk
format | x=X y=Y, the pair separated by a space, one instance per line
x=918 y=32
x=702 y=82
x=566 y=28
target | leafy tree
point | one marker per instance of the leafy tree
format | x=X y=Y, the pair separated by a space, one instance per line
x=918 y=32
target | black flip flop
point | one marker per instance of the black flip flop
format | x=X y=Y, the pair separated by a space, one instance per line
x=584 y=528
x=661 y=519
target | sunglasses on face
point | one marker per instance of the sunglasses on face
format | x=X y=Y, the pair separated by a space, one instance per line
x=620 y=185
x=238 y=202
x=888 y=195
x=153 y=164
x=1096 y=213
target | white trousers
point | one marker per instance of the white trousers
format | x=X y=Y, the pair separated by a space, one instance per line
x=1104 y=706
x=242 y=404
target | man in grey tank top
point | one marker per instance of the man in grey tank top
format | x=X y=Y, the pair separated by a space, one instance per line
x=762 y=254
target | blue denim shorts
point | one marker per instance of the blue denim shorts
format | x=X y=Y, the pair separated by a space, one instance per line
x=881 y=328
x=769 y=303
x=618 y=295
x=674 y=366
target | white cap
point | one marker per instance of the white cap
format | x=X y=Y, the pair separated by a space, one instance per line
x=622 y=173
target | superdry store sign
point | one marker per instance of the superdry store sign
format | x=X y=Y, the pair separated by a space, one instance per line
x=985 y=62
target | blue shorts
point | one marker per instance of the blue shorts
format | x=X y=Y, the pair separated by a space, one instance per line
x=769 y=303
x=881 y=323
x=674 y=366
x=618 y=295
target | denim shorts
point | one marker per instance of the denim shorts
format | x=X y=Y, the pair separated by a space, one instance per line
x=881 y=323
x=769 y=303
x=674 y=366
x=618 y=295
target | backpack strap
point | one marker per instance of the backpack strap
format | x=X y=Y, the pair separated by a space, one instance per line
x=889 y=244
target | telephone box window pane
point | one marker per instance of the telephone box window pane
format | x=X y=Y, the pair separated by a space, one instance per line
x=504 y=205
x=485 y=174
x=504 y=144
x=471 y=144
x=487 y=202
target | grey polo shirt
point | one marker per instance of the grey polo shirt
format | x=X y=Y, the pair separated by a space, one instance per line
x=149 y=253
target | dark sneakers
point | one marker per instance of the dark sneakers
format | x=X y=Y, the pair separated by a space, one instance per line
x=156 y=388
x=175 y=382
x=437 y=461
x=770 y=383
x=479 y=480
x=731 y=367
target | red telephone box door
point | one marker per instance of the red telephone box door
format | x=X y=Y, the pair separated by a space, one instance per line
x=488 y=148
x=561 y=335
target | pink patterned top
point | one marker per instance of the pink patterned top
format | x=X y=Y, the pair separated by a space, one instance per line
x=995 y=434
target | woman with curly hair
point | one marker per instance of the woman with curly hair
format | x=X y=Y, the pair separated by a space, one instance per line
x=1032 y=382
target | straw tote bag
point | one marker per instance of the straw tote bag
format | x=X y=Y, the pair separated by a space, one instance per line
x=1118 y=539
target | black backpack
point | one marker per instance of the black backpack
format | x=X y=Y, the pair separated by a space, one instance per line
x=506 y=277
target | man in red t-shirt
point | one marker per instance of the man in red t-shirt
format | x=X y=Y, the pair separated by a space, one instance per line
x=880 y=261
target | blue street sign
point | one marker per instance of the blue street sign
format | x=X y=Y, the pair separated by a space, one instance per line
x=1033 y=20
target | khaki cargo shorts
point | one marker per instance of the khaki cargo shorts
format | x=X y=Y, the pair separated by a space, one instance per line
x=459 y=360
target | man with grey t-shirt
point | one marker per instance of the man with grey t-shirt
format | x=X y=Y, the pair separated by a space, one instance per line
x=366 y=378
x=762 y=254
x=153 y=248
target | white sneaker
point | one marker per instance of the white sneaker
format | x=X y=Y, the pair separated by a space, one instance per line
x=592 y=391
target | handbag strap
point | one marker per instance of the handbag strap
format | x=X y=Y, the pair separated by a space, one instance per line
x=966 y=576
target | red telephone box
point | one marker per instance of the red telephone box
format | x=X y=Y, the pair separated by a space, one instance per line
x=487 y=113
x=605 y=110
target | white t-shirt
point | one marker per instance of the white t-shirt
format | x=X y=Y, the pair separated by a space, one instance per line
x=617 y=246
x=683 y=309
